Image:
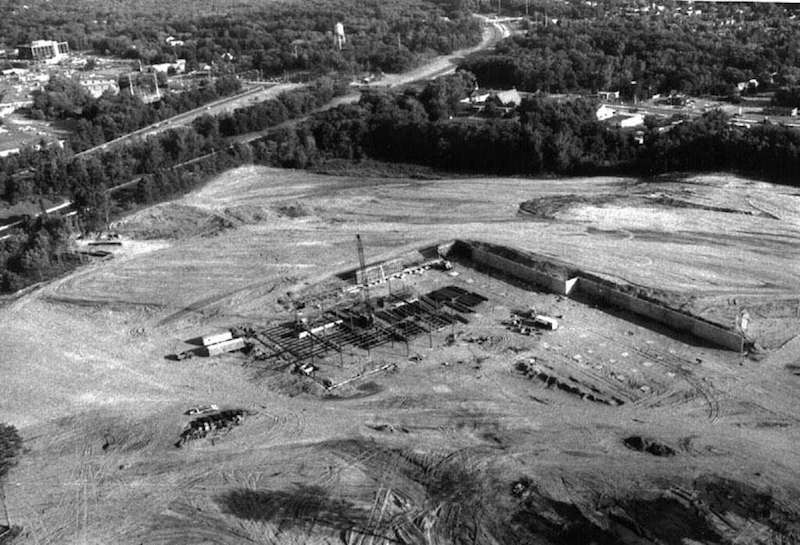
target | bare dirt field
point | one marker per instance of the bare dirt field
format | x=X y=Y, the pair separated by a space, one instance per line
x=607 y=430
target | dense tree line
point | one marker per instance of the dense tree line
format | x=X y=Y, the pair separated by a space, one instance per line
x=168 y=165
x=787 y=97
x=52 y=171
x=642 y=56
x=274 y=37
x=545 y=135
x=710 y=143
x=41 y=253
x=259 y=116
x=161 y=167
x=10 y=445
x=98 y=120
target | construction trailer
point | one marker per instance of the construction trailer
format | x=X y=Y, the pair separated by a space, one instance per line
x=215 y=338
x=225 y=346
x=545 y=322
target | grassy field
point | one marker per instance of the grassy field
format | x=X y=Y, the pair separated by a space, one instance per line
x=439 y=443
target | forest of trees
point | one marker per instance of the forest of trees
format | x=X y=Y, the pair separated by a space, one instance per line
x=98 y=120
x=10 y=445
x=274 y=37
x=53 y=171
x=41 y=253
x=642 y=56
x=547 y=136
x=787 y=97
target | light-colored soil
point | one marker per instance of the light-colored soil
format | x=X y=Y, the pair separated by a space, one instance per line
x=435 y=445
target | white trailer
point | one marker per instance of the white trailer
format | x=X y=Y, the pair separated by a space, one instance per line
x=215 y=338
x=225 y=346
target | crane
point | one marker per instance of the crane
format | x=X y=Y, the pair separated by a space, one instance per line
x=364 y=281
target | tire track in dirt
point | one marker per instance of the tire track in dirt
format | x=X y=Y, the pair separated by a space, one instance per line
x=677 y=365
x=206 y=302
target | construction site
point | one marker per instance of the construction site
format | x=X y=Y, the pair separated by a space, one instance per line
x=283 y=357
x=363 y=321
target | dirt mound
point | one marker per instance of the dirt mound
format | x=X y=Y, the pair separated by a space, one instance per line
x=173 y=220
x=247 y=214
x=574 y=380
x=176 y=220
x=650 y=446
x=712 y=510
x=205 y=426
x=668 y=201
x=360 y=391
x=548 y=207
x=293 y=209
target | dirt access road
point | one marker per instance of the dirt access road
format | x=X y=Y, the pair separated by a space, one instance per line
x=460 y=446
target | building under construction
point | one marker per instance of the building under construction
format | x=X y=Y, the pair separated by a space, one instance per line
x=43 y=51
x=397 y=319
x=398 y=306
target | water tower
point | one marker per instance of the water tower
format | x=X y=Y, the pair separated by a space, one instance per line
x=338 y=35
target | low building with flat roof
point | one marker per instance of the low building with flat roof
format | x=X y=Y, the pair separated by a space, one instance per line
x=43 y=51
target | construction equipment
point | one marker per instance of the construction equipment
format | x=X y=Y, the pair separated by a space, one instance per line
x=364 y=280
x=526 y=322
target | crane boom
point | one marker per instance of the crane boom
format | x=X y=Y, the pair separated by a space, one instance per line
x=362 y=263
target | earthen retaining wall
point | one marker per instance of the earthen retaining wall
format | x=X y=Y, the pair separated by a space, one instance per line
x=672 y=318
x=562 y=280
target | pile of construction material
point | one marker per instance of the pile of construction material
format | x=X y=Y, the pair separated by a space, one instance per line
x=204 y=426
x=527 y=322
x=394 y=269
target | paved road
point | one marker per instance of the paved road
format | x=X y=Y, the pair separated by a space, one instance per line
x=446 y=64
x=260 y=93
x=440 y=66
